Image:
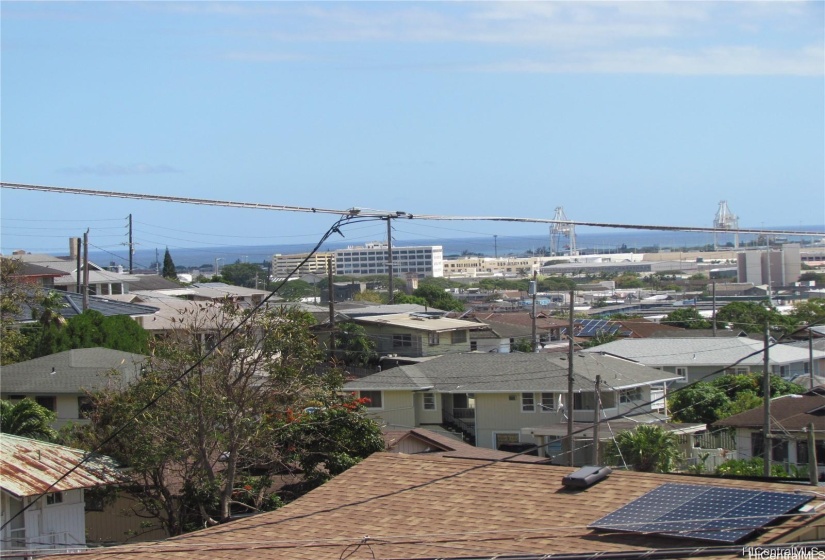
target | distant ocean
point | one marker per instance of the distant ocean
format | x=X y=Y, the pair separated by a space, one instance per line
x=609 y=241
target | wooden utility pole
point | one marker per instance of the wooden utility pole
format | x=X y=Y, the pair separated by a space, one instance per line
x=331 y=292
x=534 y=289
x=79 y=251
x=598 y=407
x=813 y=471
x=811 y=356
x=86 y=270
x=713 y=318
x=766 y=392
x=131 y=245
x=389 y=258
x=570 y=407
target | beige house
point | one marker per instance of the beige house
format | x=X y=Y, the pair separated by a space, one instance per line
x=416 y=335
x=491 y=398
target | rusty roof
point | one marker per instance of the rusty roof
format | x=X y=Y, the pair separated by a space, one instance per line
x=415 y=506
x=29 y=467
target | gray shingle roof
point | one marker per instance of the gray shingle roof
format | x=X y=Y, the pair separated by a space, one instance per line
x=494 y=373
x=83 y=368
x=658 y=352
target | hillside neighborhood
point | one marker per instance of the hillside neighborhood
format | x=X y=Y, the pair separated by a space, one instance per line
x=534 y=381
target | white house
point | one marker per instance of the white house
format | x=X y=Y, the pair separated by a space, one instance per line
x=42 y=508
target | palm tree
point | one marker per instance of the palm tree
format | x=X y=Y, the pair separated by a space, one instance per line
x=27 y=419
x=648 y=448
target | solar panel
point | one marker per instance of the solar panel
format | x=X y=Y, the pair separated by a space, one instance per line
x=708 y=513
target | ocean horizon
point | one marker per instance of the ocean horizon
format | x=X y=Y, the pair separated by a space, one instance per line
x=488 y=246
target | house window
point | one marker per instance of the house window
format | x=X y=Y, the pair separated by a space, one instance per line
x=682 y=372
x=54 y=498
x=802 y=452
x=402 y=341
x=627 y=396
x=434 y=339
x=528 y=402
x=459 y=337
x=584 y=401
x=504 y=438
x=47 y=402
x=373 y=398
x=548 y=402
x=429 y=401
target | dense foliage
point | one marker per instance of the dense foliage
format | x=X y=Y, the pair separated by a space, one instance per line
x=687 y=318
x=647 y=448
x=28 y=419
x=169 y=270
x=233 y=413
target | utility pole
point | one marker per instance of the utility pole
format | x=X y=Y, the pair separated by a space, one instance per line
x=766 y=392
x=534 y=288
x=86 y=270
x=79 y=251
x=495 y=245
x=331 y=292
x=131 y=244
x=813 y=470
x=570 y=405
x=713 y=319
x=598 y=407
x=389 y=257
x=811 y=356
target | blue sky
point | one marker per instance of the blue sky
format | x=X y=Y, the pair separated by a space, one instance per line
x=620 y=112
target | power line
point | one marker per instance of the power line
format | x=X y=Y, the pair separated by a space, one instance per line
x=366 y=212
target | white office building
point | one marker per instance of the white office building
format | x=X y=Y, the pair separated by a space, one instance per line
x=421 y=261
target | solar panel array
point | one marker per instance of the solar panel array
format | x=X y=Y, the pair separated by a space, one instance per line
x=591 y=327
x=708 y=513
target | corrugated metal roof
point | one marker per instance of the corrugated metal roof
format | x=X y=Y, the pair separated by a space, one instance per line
x=28 y=467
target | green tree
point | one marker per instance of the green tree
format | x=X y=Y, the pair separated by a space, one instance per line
x=90 y=329
x=555 y=284
x=702 y=403
x=437 y=298
x=169 y=266
x=243 y=274
x=749 y=467
x=809 y=312
x=647 y=448
x=358 y=348
x=14 y=295
x=27 y=419
x=219 y=429
x=749 y=316
x=687 y=318
x=629 y=280
x=294 y=290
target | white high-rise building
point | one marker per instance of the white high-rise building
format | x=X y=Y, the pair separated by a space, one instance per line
x=371 y=259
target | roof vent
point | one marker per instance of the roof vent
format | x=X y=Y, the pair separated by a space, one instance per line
x=585 y=477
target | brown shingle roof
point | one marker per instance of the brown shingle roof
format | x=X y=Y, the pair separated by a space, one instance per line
x=412 y=506
x=789 y=413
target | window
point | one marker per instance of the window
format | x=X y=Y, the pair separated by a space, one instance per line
x=54 y=498
x=802 y=452
x=528 y=402
x=434 y=338
x=429 y=401
x=548 y=402
x=504 y=438
x=627 y=396
x=402 y=341
x=459 y=337
x=682 y=372
x=373 y=397
x=473 y=345
x=47 y=402
x=584 y=401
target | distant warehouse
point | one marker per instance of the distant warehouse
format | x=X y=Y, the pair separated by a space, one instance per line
x=620 y=267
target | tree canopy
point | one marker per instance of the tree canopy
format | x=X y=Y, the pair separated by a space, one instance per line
x=436 y=297
x=241 y=401
x=647 y=448
x=14 y=294
x=28 y=419
x=687 y=318
x=749 y=316
x=244 y=274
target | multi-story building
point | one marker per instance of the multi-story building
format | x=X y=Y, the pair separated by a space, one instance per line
x=283 y=265
x=777 y=268
x=422 y=261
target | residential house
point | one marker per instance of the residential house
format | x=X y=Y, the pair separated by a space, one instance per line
x=513 y=327
x=421 y=440
x=42 y=494
x=394 y=505
x=416 y=334
x=492 y=397
x=102 y=282
x=702 y=359
x=791 y=416
x=59 y=381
